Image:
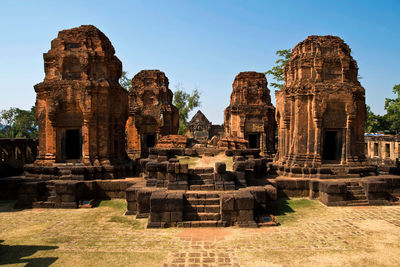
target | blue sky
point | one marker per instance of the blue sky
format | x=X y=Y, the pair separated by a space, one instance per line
x=200 y=44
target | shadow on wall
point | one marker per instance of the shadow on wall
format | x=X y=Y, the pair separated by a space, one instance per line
x=15 y=255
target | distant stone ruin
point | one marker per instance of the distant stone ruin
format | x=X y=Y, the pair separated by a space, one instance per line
x=199 y=127
x=250 y=115
x=151 y=113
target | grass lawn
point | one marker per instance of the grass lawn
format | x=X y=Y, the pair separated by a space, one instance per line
x=310 y=234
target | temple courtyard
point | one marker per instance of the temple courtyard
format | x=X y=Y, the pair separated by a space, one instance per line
x=309 y=234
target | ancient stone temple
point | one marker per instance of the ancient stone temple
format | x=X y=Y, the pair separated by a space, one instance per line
x=80 y=106
x=250 y=115
x=321 y=109
x=151 y=113
x=199 y=127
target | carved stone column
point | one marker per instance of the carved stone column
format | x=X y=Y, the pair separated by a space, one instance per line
x=350 y=119
x=51 y=135
x=86 y=134
x=317 y=142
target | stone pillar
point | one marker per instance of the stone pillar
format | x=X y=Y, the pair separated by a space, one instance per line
x=86 y=138
x=51 y=134
x=348 y=137
x=286 y=136
x=317 y=143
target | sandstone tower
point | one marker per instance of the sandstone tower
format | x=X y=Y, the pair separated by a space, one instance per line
x=151 y=113
x=250 y=115
x=321 y=109
x=199 y=127
x=80 y=105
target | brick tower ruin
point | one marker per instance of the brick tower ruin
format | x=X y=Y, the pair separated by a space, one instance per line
x=151 y=113
x=320 y=111
x=199 y=127
x=81 y=107
x=250 y=115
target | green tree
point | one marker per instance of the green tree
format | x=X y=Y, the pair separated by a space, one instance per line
x=185 y=103
x=277 y=70
x=16 y=122
x=392 y=107
x=125 y=82
x=375 y=123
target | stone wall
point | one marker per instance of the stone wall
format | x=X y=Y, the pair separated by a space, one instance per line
x=382 y=150
x=68 y=194
x=14 y=153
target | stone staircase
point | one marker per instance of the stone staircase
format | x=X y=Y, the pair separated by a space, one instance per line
x=356 y=195
x=202 y=181
x=48 y=198
x=201 y=209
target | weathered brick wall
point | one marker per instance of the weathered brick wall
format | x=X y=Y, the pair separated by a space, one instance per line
x=14 y=153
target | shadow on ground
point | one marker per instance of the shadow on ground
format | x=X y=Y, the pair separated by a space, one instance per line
x=15 y=255
x=8 y=206
x=282 y=207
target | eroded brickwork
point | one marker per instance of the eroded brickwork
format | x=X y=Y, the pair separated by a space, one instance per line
x=81 y=107
x=321 y=109
x=250 y=115
x=151 y=113
x=199 y=127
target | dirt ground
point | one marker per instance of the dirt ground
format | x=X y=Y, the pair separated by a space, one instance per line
x=310 y=234
x=206 y=161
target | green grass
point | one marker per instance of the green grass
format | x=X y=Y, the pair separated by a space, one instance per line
x=116 y=204
x=289 y=211
x=128 y=221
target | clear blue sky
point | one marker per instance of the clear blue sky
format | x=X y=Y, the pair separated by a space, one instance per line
x=200 y=44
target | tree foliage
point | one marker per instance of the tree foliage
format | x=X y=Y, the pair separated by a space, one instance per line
x=375 y=123
x=125 y=82
x=277 y=71
x=392 y=107
x=185 y=103
x=15 y=122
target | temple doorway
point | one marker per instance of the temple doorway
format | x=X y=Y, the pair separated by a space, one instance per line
x=254 y=140
x=73 y=144
x=332 y=146
x=150 y=140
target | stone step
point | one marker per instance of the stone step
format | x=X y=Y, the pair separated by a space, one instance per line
x=201 y=208
x=356 y=190
x=359 y=195
x=200 y=182
x=200 y=216
x=354 y=187
x=51 y=198
x=201 y=223
x=204 y=187
x=358 y=203
x=43 y=204
x=201 y=195
x=202 y=201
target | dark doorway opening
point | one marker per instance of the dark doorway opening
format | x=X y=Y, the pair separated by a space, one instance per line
x=150 y=140
x=73 y=147
x=254 y=141
x=332 y=145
